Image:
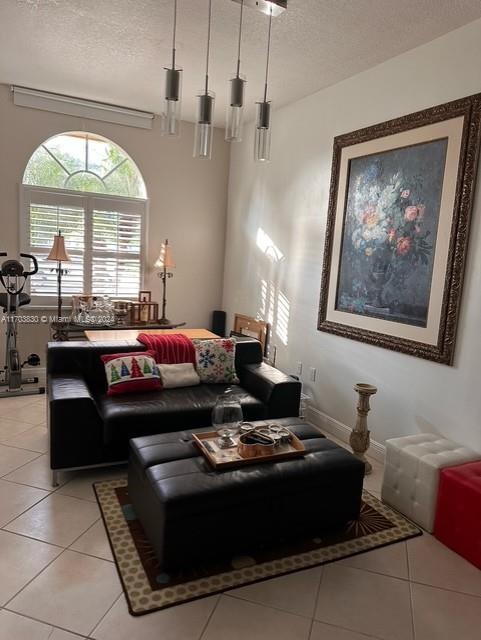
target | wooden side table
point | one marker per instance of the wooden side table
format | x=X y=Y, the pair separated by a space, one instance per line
x=64 y=331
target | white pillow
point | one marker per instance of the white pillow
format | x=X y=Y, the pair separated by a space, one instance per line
x=178 y=375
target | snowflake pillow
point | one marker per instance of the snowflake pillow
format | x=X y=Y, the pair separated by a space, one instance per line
x=216 y=360
x=131 y=372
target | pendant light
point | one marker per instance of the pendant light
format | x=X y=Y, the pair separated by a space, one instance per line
x=262 y=148
x=235 y=110
x=204 y=128
x=173 y=91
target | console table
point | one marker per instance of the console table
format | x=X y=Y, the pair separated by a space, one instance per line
x=131 y=334
x=64 y=331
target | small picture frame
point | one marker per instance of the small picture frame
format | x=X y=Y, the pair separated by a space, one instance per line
x=144 y=312
x=145 y=296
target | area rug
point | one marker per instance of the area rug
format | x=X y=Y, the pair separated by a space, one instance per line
x=149 y=589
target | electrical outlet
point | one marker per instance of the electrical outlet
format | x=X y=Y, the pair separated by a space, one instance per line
x=299 y=368
x=312 y=374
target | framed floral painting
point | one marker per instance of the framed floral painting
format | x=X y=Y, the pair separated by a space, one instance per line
x=398 y=220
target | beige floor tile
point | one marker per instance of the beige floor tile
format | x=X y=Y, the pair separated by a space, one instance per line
x=16 y=627
x=184 y=622
x=238 y=620
x=445 y=615
x=94 y=542
x=296 y=592
x=34 y=413
x=12 y=458
x=35 y=439
x=10 y=428
x=373 y=482
x=17 y=402
x=59 y=634
x=430 y=562
x=322 y=631
x=38 y=474
x=365 y=602
x=81 y=485
x=390 y=560
x=20 y=560
x=74 y=592
x=15 y=499
x=57 y=519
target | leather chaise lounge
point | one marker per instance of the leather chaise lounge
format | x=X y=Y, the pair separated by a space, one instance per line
x=89 y=428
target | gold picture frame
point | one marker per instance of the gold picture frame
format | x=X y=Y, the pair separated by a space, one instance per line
x=394 y=264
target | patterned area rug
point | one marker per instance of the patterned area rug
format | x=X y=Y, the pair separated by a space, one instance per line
x=148 y=589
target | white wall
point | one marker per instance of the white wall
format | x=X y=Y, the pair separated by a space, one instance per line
x=187 y=203
x=288 y=200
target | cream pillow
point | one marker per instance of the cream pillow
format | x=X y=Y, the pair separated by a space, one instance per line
x=178 y=375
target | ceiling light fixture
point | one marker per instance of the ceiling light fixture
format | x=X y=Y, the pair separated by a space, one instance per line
x=173 y=91
x=235 y=111
x=204 y=130
x=262 y=147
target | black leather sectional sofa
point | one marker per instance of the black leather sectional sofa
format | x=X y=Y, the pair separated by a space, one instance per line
x=87 y=427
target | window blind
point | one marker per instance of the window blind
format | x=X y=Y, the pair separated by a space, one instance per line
x=45 y=221
x=105 y=247
x=116 y=253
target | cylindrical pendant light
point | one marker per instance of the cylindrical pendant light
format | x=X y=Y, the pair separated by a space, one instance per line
x=262 y=147
x=172 y=90
x=235 y=110
x=204 y=128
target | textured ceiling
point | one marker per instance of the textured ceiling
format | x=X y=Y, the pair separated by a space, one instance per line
x=113 y=50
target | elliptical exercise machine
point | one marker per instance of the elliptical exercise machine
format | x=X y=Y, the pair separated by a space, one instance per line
x=13 y=277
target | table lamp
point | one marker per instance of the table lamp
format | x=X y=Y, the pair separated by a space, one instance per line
x=59 y=254
x=164 y=262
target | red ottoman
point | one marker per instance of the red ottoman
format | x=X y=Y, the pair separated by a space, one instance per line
x=458 y=513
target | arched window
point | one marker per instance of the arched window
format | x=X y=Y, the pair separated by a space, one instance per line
x=91 y=190
x=84 y=162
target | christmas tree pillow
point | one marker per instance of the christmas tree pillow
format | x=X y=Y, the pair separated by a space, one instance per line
x=216 y=360
x=131 y=372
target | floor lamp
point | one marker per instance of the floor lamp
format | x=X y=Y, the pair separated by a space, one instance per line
x=164 y=262
x=59 y=254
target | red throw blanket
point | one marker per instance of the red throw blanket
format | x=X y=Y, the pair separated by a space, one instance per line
x=173 y=348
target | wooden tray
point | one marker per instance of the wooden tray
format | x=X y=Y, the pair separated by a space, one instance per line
x=230 y=458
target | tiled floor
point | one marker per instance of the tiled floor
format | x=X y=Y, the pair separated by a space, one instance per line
x=58 y=580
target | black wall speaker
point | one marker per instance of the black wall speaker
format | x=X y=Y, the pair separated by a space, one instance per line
x=219 y=319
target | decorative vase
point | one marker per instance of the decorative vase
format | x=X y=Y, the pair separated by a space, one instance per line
x=359 y=438
x=227 y=417
x=380 y=275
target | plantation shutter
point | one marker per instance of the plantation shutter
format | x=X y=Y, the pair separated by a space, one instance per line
x=103 y=237
x=116 y=253
x=44 y=222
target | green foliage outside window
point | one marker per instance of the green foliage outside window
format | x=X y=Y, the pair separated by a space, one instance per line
x=80 y=162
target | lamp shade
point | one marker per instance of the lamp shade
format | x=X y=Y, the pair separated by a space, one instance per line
x=165 y=259
x=58 y=251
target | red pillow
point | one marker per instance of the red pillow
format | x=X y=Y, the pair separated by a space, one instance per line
x=133 y=372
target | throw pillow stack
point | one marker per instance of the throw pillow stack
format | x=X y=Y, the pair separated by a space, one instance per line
x=139 y=372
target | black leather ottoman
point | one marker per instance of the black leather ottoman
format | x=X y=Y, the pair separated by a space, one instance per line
x=190 y=512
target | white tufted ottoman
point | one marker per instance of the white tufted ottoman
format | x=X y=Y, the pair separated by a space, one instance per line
x=411 y=473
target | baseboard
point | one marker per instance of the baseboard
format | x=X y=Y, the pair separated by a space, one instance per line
x=342 y=431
